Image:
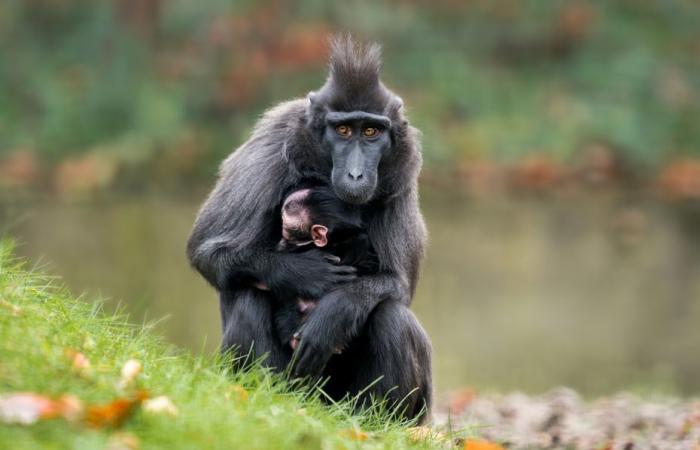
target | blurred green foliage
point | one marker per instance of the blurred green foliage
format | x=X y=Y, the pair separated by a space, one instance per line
x=172 y=86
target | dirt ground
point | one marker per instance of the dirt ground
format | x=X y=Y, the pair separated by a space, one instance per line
x=561 y=419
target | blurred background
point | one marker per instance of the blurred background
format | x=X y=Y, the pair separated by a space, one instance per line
x=561 y=183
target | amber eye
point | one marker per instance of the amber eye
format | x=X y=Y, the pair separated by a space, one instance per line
x=370 y=132
x=343 y=130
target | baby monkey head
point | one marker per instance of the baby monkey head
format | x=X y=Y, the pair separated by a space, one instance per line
x=312 y=216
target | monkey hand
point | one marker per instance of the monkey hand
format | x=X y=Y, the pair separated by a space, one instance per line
x=323 y=335
x=296 y=338
x=310 y=274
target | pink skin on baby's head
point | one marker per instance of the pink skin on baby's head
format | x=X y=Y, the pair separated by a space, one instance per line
x=295 y=216
x=297 y=228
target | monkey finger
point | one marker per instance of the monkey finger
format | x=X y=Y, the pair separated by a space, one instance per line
x=309 y=366
x=307 y=361
x=301 y=356
x=345 y=278
x=344 y=270
x=331 y=258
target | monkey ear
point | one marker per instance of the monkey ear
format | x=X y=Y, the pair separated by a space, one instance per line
x=312 y=96
x=319 y=234
x=395 y=105
x=315 y=111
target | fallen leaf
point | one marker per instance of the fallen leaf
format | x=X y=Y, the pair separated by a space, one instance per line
x=114 y=413
x=69 y=407
x=130 y=371
x=461 y=399
x=26 y=408
x=354 y=434
x=471 y=444
x=160 y=405
x=239 y=391
x=123 y=441
x=79 y=362
x=14 y=309
x=421 y=433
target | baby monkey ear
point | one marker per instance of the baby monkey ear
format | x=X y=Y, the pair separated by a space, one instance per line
x=319 y=234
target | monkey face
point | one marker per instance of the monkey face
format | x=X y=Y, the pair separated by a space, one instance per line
x=357 y=141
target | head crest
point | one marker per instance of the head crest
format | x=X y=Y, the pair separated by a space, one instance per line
x=354 y=66
x=353 y=81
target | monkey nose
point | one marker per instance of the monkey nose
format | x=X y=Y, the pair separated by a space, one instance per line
x=354 y=176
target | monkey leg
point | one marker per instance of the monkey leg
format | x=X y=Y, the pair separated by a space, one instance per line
x=247 y=319
x=389 y=361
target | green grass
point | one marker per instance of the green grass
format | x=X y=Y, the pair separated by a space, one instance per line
x=40 y=321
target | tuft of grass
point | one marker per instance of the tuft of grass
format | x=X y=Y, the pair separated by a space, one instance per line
x=40 y=322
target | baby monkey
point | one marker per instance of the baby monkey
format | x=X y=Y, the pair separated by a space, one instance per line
x=316 y=218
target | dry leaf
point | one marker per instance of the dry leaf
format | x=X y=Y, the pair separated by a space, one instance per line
x=69 y=407
x=354 y=434
x=421 y=433
x=26 y=408
x=160 y=405
x=471 y=444
x=13 y=309
x=461 y=399
x=130 y=371
x=115 y=413
x=79 y=362
x=123 y=441
x=236 y=391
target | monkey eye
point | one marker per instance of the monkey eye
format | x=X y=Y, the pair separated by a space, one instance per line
x=343 y=130
x=370 y=132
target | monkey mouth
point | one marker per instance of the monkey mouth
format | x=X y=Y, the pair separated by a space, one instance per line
x=354 y=196
x=355 y=199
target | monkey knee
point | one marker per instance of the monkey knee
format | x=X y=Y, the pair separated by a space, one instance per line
x=394 y=327
x=247 y=328
x=402 y=349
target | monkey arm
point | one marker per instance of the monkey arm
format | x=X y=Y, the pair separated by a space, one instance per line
x=232 y=242
x=228 y=241
x=233 y=253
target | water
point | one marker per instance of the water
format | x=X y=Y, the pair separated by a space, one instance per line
x=598 y=291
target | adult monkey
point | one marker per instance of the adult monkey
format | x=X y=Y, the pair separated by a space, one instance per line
x=351 y=134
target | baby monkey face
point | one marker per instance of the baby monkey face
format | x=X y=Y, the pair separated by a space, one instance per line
x=298 y=224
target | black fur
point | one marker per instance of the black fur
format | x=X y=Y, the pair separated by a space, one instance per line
x=234 y=237
x=347 y=239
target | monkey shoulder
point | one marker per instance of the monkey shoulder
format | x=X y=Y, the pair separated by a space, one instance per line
x=266 y=147
x=285 y=117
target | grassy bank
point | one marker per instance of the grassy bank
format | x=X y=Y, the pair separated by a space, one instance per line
x=54 y=345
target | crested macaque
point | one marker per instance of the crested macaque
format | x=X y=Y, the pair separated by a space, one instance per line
x=315 y=217
x=351 y=135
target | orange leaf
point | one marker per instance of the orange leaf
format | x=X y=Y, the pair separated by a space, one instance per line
x=115 y=413
x=79 y=362
x=461 y=399
x=471 y=444
x=354 y=434
x=238 y=391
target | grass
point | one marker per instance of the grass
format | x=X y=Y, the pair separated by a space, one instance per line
x=40 y=324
